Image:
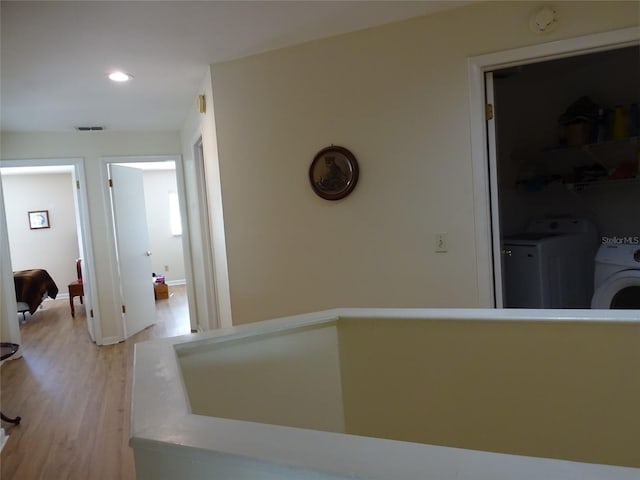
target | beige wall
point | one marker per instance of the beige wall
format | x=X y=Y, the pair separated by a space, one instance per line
x=397 y=96
x=290 y=378
x=53 y=249
x=567 y=390
x=557 y=390
x=91 y=147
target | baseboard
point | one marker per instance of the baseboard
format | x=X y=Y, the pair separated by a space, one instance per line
x=173 y=283
x=111 y=340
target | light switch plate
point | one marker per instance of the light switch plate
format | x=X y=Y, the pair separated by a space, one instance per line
x=441 y=244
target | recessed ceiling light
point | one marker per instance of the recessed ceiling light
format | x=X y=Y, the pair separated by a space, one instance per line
x=120 y=76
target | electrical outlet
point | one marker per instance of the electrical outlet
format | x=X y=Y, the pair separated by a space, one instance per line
x=166 y=268
x=441 y=243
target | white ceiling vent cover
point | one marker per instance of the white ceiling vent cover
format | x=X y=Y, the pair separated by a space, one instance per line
x=90 y=129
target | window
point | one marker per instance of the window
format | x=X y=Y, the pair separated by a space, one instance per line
x=174 y=214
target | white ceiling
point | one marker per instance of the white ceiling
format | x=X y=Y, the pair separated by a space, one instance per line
x=55 y=54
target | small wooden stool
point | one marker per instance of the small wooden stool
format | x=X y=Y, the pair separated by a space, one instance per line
x=75 y=290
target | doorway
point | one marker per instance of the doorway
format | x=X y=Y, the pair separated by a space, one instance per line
x=484 y=152
x=68 y=228
x=144 y=199
x=565 y=173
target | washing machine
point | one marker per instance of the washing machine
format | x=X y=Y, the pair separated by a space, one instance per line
x=550 y=265
x=617 y=277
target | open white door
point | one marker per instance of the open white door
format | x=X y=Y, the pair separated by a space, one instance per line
x=496 y=237
x=132 y=244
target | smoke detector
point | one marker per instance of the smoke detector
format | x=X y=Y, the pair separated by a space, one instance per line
x=544 y=20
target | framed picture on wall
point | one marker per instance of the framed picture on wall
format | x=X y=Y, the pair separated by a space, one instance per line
x=39 y=219
x=333 y=173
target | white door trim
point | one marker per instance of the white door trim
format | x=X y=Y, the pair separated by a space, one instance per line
x=477 y=66
x=211 y=302
x=187 y=246
x=493 y=192
x=8 y=322
x=88 y=267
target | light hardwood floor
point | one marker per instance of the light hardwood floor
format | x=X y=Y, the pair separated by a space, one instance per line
x=73 y=396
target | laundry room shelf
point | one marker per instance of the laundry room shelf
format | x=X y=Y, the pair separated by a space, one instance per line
x=569 y=164
x=579 y=186
x=567 y=151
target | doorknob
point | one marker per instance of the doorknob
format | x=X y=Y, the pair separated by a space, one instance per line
x=148 y=253
x=507 y=252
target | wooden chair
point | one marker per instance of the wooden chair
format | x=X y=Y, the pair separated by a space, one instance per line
x=76 y=289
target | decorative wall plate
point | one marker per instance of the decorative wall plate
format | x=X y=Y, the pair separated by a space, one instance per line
x=333 y=173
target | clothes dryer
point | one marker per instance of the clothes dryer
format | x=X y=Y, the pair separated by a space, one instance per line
x=617 y=277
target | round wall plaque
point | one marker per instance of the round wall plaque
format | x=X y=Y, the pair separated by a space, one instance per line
x=333 y=173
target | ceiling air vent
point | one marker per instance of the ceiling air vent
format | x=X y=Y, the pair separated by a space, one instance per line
x=89 y=129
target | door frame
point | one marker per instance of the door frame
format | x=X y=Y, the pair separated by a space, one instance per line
x=11 y=328
x=186 y=239
x=210 y=303
x=492 y=153
x=484 y=209
x=84 y=228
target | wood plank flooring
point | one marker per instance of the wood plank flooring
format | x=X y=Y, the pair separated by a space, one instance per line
x=73 y=396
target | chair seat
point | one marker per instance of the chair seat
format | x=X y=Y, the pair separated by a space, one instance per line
x=23 y=308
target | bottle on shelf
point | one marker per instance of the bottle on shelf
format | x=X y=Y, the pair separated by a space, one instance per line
x=619 y=127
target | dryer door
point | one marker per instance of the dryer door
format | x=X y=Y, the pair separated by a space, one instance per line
x=620 y=291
